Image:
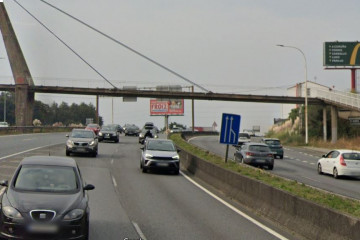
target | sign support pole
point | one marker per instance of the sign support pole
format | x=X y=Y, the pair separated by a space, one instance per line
x=226 y=153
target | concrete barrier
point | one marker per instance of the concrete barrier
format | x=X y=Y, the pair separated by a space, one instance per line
x=301 y=216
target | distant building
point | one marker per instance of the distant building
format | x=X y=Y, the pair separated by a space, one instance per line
x=299 y=91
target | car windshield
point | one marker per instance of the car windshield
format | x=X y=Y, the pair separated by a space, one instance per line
x=46 y=178
x=272 y=142
x=259 y=148
x=82 y=134
x=351 y=156
x=161 y=146
x=108 y=128
x=244 y=135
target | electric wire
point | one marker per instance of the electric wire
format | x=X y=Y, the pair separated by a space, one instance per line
x=63 y=42
x=127 y=47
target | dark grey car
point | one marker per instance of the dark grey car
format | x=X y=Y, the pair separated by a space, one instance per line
x=82 y=141
x=160 y=154
x=109 y=133
x=255 y=154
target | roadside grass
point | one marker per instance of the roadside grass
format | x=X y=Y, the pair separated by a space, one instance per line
x=336 y=202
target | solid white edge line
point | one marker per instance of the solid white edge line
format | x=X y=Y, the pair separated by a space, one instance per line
x=236 y=210
x=2 y=158
x=138 y=230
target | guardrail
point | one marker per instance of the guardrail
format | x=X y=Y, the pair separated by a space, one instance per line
x=33 y=129
x=342 y=98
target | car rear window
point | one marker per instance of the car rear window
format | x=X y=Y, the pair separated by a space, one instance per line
x=244 y=135
x=272 y=142
x=259 y=148
x=351 y=156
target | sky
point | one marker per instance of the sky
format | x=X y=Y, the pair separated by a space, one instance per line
x=226 y=46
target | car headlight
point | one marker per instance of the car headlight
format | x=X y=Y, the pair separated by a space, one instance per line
x=92 y=143
x=141 y=135
x=176 y=157
x=100 y=133
x=74 y=214
x=11 y=212
x=148 y=155
x=69 y=143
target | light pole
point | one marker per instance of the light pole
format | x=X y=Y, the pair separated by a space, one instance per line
x=306 y=98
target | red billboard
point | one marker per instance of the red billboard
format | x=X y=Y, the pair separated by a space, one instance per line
x=172 y=107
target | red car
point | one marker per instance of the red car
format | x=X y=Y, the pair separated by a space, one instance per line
x=94 y=127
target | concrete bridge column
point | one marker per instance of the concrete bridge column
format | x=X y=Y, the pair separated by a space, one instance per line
x=324 y=124
x=334 y=124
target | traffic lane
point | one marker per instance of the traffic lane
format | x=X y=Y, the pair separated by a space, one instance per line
x=299 y=164
x=167 y=206
x=108 y=219
x=12 y=144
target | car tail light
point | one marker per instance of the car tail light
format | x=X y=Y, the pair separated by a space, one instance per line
x=270 y=155
x=342 y=161
x=280 y=146
x=250 y=154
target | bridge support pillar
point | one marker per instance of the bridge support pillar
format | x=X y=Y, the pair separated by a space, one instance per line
x=24 y=105
x=324 y=124
x=334 y=124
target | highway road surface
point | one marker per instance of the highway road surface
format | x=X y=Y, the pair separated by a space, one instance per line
x=298 y=164
x=129 y=204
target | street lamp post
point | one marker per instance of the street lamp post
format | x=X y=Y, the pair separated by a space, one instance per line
x=306 y=97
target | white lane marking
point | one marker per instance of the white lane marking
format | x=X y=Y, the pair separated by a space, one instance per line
x=236 y=210
x=138 y=230
x=114 y=181
x=312 y=163
x=27 y=151
x=112 y=161
x=304 y=161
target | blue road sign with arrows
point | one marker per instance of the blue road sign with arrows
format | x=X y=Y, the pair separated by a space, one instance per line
x=230 y=126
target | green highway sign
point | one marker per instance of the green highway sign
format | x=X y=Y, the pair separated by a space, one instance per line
x=344 y=54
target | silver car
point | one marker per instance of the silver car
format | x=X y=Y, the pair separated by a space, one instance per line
x=160 y=154
x=255 y=154
x=82 y=141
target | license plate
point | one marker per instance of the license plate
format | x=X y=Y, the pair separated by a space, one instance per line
x=43 y=228
x=260 y=160
x=162 y=164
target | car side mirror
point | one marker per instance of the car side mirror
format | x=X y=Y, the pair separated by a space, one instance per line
x=324 y=156
x=4 y=183
x=178 y=150
x=89 y=187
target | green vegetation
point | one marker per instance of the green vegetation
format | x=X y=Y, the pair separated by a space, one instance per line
x=50 y=114
x=333 y=201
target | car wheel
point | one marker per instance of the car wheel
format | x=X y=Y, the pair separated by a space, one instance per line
x=176 y=172
x=144 y=170
x=335 y=173
x=94 y=154
x=319 y=169
x=67 y=153
x=117 y=140
x=271 y=167
x=242 y=159
x=281 y=156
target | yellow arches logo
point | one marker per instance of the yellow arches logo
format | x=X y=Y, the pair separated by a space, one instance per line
x=354 y=54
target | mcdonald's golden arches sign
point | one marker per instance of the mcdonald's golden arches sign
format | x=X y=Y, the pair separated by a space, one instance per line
x=345 y=54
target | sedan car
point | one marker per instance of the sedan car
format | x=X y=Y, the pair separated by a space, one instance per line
x=341 y=162
x=109 y=133
x=45 y=199
x=160 y=154
x=82 y=141
x=275 y=146
x=132 y=130
x=94 y=127
x=255 y=154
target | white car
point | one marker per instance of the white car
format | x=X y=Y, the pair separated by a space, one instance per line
x=340 y=162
